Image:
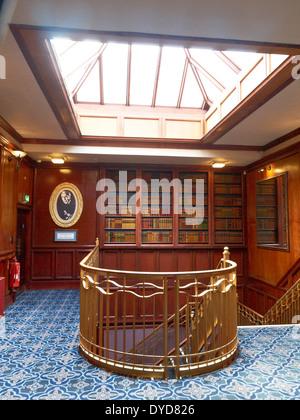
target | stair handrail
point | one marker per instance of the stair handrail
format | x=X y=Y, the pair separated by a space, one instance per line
x=278 y=313
x=105 y=318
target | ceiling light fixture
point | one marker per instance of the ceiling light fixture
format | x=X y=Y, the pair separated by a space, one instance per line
x=218 y=165
x=58 y=161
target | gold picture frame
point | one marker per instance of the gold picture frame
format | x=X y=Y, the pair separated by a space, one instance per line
x=65 y=205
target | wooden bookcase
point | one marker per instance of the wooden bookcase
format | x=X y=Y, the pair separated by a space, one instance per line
x=120 y=225
x=157 y=210
x=156 y=223
x=228 y=208
x=192 y=233
x=266 y=212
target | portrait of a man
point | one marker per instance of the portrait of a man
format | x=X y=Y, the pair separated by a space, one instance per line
x=65 y=205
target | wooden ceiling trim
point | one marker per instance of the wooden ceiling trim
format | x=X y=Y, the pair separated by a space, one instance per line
x=271 y=86
x=184 y=41
x=31 y=40
x=36 y=51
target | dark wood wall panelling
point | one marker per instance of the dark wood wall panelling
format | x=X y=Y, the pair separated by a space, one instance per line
x=56 y=265
x=268 y=269
x=13 y=187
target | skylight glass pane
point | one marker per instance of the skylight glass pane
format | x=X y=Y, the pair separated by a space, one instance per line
x=214 y=66
x=211 y=90
x=192 y=96
x=77 y=55
x=61 y=44
x=170 y=76
x=90 y=89
x=74 y=58
x=115 y=61
x=244 y=60
x=143 y=71
x=277 y=59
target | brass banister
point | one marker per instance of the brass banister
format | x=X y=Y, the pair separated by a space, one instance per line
x=146 y=324
x=287 y=307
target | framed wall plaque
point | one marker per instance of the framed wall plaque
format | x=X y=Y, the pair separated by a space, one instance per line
x=65 y=236
x=65 y=205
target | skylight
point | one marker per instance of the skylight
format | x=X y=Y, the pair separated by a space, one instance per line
x=149 y=75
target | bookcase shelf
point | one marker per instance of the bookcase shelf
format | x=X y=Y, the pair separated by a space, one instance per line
x=167 y=215
x=228 y=208
x=266 y=212
x=120 y=222
x=189 y=232
x=157 y=210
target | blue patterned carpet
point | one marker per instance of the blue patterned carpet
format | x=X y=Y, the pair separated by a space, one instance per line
x=39 y=359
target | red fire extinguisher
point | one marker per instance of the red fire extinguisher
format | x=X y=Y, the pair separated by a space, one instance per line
x=14 y=276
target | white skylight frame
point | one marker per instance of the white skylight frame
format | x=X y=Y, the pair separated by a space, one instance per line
x=148 y=75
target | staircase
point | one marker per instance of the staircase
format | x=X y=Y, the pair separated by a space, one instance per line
x=196 y=339
x=283 y=312
x=119 y=312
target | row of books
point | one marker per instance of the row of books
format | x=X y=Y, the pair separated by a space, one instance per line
x=266 y=212
x=266 y=200
x=228 y=212
x=266 y=237
x=183 y=225
x=266 y=189
x=228 y=189
x=228 y=201
x=193 y=237
x=157 y=211
x=120 y=223
x=119 y=237
x=148 y=176
x=228 y=237
x=266 y=224
x=157 y=237
x=157 y=223
x=193 y=176
x=231 y=224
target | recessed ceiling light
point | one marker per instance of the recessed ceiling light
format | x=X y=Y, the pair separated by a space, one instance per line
x=57 y=161
x=218 y=165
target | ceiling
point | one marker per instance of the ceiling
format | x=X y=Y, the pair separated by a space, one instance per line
x=243 y=24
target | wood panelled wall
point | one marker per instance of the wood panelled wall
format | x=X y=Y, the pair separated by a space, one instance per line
x=13 y=186
x=57 y=264
x=267 y=267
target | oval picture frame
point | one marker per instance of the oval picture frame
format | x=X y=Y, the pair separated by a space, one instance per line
x=65 y=205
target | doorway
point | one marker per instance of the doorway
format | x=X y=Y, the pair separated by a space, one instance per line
x=23 y=244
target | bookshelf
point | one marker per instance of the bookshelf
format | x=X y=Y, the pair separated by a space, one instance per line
x=266 y=212
x=157 y=208
x=120 y=221
x=228 y=208
x=188 y=232
x=167 y=214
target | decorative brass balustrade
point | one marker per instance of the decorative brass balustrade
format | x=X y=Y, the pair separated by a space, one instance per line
x=282 y=313
x=158 y=325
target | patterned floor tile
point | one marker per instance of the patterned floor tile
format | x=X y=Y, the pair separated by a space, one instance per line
x=39 y=360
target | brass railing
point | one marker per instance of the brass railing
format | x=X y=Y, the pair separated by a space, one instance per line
x=158 y=325
x=283 y=312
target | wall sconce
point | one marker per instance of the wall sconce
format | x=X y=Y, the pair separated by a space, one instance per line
x=19 y=155
x=218 y=165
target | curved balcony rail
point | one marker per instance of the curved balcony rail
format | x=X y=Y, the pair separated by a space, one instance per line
x=158 y=325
